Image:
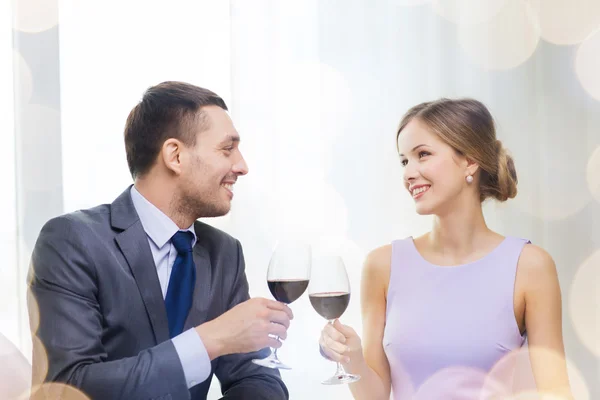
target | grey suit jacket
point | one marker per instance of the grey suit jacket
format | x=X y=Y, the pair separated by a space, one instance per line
x=103 y=320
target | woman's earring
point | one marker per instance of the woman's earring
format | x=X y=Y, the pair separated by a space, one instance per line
x=470 y=179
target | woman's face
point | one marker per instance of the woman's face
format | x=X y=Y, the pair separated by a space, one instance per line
x=434 y=173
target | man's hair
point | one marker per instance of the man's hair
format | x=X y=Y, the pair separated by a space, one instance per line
x=167 y=110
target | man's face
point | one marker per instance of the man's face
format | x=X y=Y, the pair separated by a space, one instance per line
x=211 y=167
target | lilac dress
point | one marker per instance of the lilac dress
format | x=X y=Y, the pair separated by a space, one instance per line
x=456 y=316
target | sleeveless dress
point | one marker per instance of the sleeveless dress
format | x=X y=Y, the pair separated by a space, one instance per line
x=447 y=318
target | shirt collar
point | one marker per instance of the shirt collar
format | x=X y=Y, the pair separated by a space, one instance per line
x=158 y=226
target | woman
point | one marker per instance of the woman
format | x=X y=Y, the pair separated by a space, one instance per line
x=460 y=295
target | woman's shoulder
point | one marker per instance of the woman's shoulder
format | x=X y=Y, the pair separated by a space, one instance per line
x=378 y=256
x=379 y=260
x=535 y=259
x=377 y=265
x=536 y=266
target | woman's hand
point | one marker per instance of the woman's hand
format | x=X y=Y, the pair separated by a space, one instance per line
x=340 y=342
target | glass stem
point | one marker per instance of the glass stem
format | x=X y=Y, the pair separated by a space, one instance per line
x=275 y=350
x=339 y=369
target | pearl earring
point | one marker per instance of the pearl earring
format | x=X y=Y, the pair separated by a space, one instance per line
x=470 y=179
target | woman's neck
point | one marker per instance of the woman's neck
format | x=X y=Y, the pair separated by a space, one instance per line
x=460 y=232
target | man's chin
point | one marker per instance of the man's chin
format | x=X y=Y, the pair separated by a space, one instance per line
x=220 y=211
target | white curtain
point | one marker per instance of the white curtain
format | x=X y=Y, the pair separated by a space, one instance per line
x=9 y=273
x=316 y=89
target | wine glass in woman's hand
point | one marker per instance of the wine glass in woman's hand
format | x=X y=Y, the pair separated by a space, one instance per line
x=329 y=294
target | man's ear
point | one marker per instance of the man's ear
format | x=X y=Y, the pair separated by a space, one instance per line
x=171 y=155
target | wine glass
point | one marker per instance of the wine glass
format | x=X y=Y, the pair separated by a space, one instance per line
x=287 y=277
x=329 y=294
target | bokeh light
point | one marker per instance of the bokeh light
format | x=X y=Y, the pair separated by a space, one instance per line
x=462 y=383
x=34 y=312
x=516 y=367
x=35 y=15
x=39 y=368
x=584 y=303
x=593 y=174
x=534 y=395
x=464 y=12
x=57 y=391
x=505 y=41
x=15 y=371
x=587 y=64
x=566 y=22
x=550 y=193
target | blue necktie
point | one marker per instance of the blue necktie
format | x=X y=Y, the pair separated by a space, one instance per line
x=181 y=283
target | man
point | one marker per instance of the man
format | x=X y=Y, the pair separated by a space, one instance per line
x=137 y=299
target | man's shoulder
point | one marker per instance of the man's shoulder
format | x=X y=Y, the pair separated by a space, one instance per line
x=76 y=222
x=213 y=236
x=68 y=237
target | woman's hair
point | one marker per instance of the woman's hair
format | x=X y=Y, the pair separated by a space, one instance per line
x=468 y=127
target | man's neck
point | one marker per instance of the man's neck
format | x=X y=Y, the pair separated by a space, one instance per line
x=163 y=195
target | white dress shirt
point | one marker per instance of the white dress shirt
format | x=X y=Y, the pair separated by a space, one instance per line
x=160 y=229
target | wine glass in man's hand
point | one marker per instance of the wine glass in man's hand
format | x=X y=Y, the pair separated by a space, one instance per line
x=287 y=277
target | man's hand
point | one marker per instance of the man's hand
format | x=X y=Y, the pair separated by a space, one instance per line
x=246 y=328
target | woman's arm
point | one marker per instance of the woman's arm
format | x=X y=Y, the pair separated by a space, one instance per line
x=367 y=359
x=543 y=321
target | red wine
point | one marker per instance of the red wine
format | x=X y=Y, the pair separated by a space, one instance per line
x=330 y=305
x=287 y=290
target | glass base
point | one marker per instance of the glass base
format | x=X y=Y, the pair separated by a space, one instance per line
x=271 y=362
x=340 y=379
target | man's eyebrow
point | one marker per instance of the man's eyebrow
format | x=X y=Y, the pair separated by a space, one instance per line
x=231 y=138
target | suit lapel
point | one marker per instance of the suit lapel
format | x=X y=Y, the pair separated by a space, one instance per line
x=133 y=243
